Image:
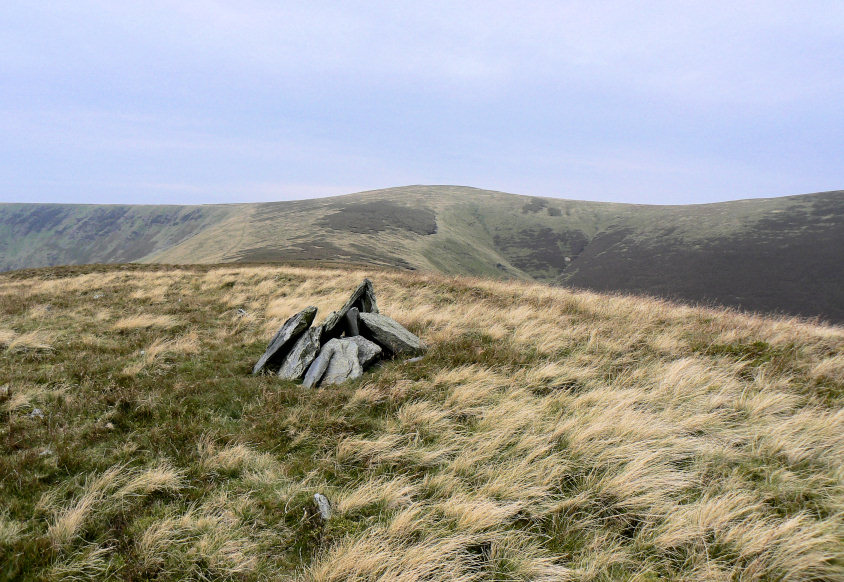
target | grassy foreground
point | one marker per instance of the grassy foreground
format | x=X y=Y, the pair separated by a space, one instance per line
x=547 y=435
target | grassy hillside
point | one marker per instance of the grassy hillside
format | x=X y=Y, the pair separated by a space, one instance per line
x=546 y=435
x=37 y=235
x=780 y=254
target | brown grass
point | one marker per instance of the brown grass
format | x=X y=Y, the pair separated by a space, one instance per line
x=144 y=321
x=547 y=435
x=35 y=341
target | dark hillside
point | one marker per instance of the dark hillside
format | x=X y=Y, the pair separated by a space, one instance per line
x=788 y=262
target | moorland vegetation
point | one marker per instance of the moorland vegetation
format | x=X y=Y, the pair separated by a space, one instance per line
x=546 y=435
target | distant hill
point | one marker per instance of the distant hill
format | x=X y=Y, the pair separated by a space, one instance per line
x=774 y=255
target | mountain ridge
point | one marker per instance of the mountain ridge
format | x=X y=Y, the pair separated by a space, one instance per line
x=772 y=254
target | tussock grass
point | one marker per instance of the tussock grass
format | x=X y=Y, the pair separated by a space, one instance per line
x=547 y=435
x=10 y=530
x=106 y=494
x=32 y=341
x=144 y=321
x=164 y=351
x=7 y=336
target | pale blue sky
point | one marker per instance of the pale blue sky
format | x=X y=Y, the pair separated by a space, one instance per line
x=201 y=102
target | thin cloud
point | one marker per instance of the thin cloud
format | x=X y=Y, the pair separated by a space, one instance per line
x=741 y=98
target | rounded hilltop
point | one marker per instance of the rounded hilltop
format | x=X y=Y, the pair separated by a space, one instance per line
x=778 y=255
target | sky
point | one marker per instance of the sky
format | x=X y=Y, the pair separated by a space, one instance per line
x=189 y=102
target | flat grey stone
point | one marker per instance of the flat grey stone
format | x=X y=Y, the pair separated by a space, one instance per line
x=390 y=334
x=300 y=356
x=368 y=351
x=363 y=298
x=344 y=364
x=284 y=338
x=337 y=362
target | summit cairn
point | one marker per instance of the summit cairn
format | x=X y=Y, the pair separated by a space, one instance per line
x=341 y=347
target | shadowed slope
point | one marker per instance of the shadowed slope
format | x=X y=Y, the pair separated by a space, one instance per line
x=780 y=254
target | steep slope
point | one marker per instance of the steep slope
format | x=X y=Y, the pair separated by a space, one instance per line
x=780 y=254
x=35 y=235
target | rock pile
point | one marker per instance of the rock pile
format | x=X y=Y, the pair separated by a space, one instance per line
x=341 y=347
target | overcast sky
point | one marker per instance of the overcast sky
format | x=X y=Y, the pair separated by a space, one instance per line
x=213 y=101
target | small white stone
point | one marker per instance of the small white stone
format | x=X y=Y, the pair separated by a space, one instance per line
x=323 y=505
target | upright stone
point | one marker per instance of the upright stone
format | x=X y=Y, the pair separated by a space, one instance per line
x=284 y=338
x=300 y=356
x=337 y=362
x=323 y=506
x=318 y=367
x=368 y=351
x=390 y=334
x=352 y=319
x=363 y=298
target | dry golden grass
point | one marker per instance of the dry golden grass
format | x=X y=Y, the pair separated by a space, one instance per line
x=201 y=543
x=547 y=435
x=162 y=351
x=36 y=340
x=144 y=321
x=6 y=337
x=10 y=530
x=105 y=494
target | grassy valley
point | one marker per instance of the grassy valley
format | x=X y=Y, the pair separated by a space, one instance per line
x=773 y=255
x=548 y=434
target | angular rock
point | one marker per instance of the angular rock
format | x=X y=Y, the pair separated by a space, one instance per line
x=344 y=364
x=368 y=351
x=300 y=356
x=318 y=367
x=284 y=338
x=363 y=298
x=390 y=334
x=352 y=322
x=336 y=363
